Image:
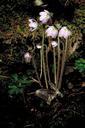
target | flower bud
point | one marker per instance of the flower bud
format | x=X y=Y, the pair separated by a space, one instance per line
x=54 y=44
x=27 y=57
x=38 y=46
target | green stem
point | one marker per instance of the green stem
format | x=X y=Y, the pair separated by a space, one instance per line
x=62 y=65
x=58 y=65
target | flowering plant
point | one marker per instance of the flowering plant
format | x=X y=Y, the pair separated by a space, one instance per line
x=57 y=38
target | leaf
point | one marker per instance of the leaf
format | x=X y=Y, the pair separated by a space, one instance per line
x=15 y=77
x=18 y=83
x=12 y=90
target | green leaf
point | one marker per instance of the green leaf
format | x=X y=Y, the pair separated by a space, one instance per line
x=15 y=77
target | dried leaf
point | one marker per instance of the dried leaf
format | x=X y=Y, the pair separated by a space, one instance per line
x=82 y=84
x=45 y=94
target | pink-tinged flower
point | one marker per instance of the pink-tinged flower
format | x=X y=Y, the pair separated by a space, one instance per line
x=64 y=32
x=54 y=44
x=52 y=32
x=38 y=46
x=44 y=16
x=33 y=24
x=27 y=57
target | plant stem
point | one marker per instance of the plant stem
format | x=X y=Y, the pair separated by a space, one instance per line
x=62 y=65
x=41 y=55
x=41 y=61
x=58 y=65
x=48 y=72
x=35 y=67
x=36 y=71
x=43 y=58
x=54 y=58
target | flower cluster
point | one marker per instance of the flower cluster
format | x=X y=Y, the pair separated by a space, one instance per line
x=45 y=16
x=51 y=31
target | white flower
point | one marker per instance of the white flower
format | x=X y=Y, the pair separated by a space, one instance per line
x=27 y=57
x=64 y=32
x=38 y=46
x=33 y=24
x=54 y=44
x=44 y=16
x=51 y=32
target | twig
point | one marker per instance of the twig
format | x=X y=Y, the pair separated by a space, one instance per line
x=34 y=80
x=1 y=76
x=29 y=125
